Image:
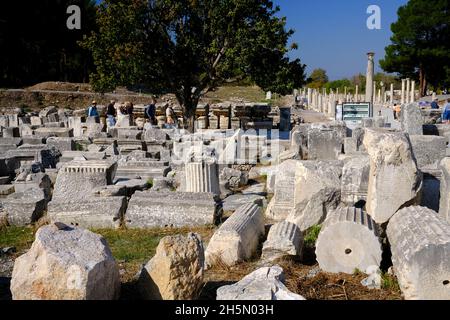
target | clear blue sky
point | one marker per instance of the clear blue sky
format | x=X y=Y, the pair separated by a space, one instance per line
x=332 y=34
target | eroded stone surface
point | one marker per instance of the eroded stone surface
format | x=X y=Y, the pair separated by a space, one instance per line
x=420 y=245
x=349 y=240
x=263 y=284
x=176 y=270
x=66 y=264
x=394 y=179
x=237 y=238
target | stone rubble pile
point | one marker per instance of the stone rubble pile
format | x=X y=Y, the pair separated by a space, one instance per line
x=371 y=188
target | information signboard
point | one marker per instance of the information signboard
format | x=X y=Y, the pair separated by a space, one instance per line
x=353 y=113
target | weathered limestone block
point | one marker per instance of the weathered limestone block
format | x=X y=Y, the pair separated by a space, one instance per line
x=238 y=238
x=428 y=150
x=145 y=168
x=348 y=240
x=77 y=179
x=317 y=192
x=283 y=200
x=284 y=239
x=52 y=132
x=91 y=212
x=155 y=135
x=355 y=180
x=233 y=178
x=444 y=203
x=37 y=180
x=23 y=208
x=62 y=144
x=263 y=284
x=176 y=270
x=202 y=177
x=324 y=144
x=66 y=264
x=394 y=179
x=152 y=209
x=6 y=189
x=411 y=119
x=420 y=245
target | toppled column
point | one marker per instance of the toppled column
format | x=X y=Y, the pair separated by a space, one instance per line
x=420 y=245
x=349 y=240
x=238 y=238
x=444 y=203
x=202 y=177
x=263 y=284
x=317 y=191
x=394 y=179
x=284 y=239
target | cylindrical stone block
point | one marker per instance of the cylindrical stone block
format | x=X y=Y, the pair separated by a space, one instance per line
x=284 y=239
x=420 y=245
x=349 y=240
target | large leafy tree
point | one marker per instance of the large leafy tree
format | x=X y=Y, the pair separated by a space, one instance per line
x=317 y=79
x=36 y=45
x=420 y=46
x=191 y=47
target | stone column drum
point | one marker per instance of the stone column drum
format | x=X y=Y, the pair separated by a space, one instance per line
x=420 y=245
x=349 y=240
x=202 y=177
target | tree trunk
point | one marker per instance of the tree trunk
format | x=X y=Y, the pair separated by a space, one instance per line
x=422 y=82
x=189 y=123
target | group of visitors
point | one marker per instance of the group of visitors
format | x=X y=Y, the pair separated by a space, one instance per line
x=127 y=108
x=434 y=105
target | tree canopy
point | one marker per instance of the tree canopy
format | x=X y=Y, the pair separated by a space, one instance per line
x=317 y=79
x=191 y=47
x=36 y=45
x=420 y=46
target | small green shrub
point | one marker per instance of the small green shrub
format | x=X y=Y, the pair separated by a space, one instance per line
x=389 y=282
x=311 y=236
x=150 y=183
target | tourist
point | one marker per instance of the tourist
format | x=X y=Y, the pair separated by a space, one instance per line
x=129 y=107
x=111 y=113
x=397 y=111
x=434 y=104
x=170 y=117
x=150 y=112
x=446 y=112
x=93 y=112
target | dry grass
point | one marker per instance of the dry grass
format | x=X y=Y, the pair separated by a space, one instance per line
x=327 y=286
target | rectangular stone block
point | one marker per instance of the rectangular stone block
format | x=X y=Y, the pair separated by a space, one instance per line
x=428 y=150
x=24 y=208
x=92 y=212
x=324 y=144
x=58 y=132
x=77 y=179
x=62 y=144
x=151 y=209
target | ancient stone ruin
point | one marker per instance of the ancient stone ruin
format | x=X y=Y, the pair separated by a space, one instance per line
x=259 y=179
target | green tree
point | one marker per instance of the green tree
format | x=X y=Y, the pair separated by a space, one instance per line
x=191 y=47
x=317 y=79
x=420 y=46
x=339 y=84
